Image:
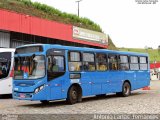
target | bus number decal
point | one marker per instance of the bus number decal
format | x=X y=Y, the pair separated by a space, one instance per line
x=74 y=80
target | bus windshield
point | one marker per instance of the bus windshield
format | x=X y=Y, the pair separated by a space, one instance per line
x=32 y=67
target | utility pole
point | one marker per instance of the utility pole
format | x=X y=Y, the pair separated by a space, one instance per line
x=78 y=6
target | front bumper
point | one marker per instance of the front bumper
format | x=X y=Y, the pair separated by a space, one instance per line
x=41 y=95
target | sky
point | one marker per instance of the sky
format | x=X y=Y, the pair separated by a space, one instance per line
x=129 y=24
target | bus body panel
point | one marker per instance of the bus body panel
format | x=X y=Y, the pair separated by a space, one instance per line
x=102 y=79
x=56 y=88
x=6 y=82
x=130 y=76
x=96 y=83
x=141 y=78
x=27 y=88
x=6 y=86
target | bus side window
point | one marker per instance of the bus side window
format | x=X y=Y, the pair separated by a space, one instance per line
x=74 y=59
x=89 y=62
x=113 y=62
x=143 y=63
x=134 y=63
x=101 y=62
x=123 y=62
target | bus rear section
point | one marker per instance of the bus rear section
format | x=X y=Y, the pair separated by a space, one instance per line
x=6 y=70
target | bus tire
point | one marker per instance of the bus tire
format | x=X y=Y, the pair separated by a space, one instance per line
x=119 y=93
x=126 y=89
x=72 y=96
x=44 y=102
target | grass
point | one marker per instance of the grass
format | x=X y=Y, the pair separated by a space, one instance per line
x=47 y=12
x=153 y=53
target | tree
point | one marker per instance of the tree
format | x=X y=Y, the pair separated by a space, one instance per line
x=146 y=48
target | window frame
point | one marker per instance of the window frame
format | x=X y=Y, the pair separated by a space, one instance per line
x=53 y=52
x=45 y=65
x=63 y=60
x=143 y=63
x=76 y=52
x=96 y=60
x=119 y=62
x=113 y=54
x=144 y=57
x=89 y=61
x=134 y=63
x=55 y=71
x=68 y=61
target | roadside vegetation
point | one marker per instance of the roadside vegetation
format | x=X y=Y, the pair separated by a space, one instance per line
x=111 y=45
x=47 y=12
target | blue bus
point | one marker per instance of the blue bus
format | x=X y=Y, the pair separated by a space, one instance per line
x=45 y=72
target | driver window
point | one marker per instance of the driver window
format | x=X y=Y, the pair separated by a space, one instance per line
x=49 y=63
x=56 y=67
x=55 y=63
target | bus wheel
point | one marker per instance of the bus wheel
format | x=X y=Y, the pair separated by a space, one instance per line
x=126 y=89
x=72 y=97
x=44 y=101
x=119 y=93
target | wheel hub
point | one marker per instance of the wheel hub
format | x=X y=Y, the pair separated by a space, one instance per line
x=74 y=95
x=126 y=89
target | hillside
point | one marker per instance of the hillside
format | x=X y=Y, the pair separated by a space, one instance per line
x=153 y=53
x=48 y=12
x=111 y=45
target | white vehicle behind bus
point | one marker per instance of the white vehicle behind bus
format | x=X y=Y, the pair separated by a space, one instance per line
x=6 y=70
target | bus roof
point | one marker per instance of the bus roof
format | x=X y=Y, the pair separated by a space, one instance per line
x=48 y=46
x=7 y=49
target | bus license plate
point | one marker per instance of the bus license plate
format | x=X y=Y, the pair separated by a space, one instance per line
x=22 y=95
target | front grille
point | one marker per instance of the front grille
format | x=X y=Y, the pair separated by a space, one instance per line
x=25 y=95
x=24 y=84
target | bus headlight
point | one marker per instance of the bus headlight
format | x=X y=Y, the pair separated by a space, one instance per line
x=39 y=89
x=36 y=90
